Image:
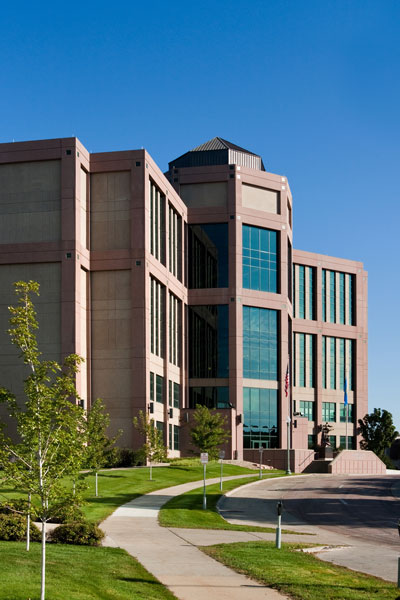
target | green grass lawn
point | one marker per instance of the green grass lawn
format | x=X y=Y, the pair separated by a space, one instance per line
x=75 y=573
x=187 y=510
x=117 y=487
x=300 y=575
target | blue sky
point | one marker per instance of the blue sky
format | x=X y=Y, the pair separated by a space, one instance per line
x=312 y=86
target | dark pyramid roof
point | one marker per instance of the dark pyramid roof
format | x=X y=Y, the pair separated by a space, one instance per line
x=218 y=143
x=218 y=152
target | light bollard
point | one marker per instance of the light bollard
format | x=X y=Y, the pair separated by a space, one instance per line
x=204 y=461
x=221 y=457
x=279 y=529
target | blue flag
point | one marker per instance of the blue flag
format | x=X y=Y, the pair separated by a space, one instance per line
x=345 y=392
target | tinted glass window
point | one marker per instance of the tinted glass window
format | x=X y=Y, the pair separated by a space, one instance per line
x=208 y=255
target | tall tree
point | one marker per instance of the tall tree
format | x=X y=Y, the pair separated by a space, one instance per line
x=98 y=441
x=50 y=425
x=153 y=449
x=208 y=432
x=378 y=431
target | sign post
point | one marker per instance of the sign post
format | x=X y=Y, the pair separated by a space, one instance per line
x=221 y=457
x=204 y=461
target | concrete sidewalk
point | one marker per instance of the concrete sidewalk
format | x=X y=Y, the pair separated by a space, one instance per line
x=171 y=555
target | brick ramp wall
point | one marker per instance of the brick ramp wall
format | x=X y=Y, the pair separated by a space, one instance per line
x=359 y=462
x=299 y=459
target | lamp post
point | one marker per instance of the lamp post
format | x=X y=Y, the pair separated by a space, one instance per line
x=288 y=471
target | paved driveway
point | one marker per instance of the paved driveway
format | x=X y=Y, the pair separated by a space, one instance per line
x=360 y=512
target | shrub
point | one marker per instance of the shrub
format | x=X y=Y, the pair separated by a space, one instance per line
x=66 y=514
x=120 y=457
x=13 y=528
x=12 y=507
x=81 y=533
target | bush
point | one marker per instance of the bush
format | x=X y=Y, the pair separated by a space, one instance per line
x=66 y=514
x=120 y=457
x=15 y=507
x=81 y=533
x=13 y=528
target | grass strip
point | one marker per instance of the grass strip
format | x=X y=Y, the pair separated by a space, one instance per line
x=117 y=487
x=186 y=510
x=298 y=574
x=76 y=573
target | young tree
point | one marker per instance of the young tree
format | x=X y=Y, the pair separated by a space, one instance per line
x=209 y=432
x=98 y=441
x=153 y=449
x=50 y=425
x=378 y=431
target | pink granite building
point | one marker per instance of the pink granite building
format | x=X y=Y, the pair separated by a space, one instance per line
x=181 y=289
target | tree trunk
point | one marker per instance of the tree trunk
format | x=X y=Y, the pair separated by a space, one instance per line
x=42 y=589
x=151 y=473
x=28 y=524
x=97 y=487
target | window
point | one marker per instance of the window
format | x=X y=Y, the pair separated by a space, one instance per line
x=328 y=412
x=176 y=437
x=343 y=413
x=208 y=341
x=260 y=265
x=177 y=395
x=212 y=397
x=260 y=343
x=160 y=426
x=307 y=409
x=332 y=440
x=208 y=255
x=260 y=418
x=337 y=363
x=160 y=389
x=175 y=243
x=174 y=329
x=351 y=444
x=304 y=292
x=303 y=360
x=337 y=297
x=157 y=223
x=170 y=438
x=170 y=396
x=157 y=317
x=152 y=387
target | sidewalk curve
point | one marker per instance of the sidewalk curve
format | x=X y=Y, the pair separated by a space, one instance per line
x=171 y=556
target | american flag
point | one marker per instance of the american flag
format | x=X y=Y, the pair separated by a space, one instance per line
x=287 y=381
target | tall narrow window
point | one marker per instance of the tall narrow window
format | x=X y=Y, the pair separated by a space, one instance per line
x=303 y=360
x=175 y=242
x=260 y=343
x=157 y=317
x=174 y=329
x=260 y=264
x=157 y=222
x=304 y=293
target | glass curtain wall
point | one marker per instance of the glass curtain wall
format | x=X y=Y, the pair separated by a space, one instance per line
x=260 y=259
x=260 y=343
x=260 y=418
x=208 y=255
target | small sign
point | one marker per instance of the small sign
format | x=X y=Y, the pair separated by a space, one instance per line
x=261 y=450
x=204 y=458
x=222 y=454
